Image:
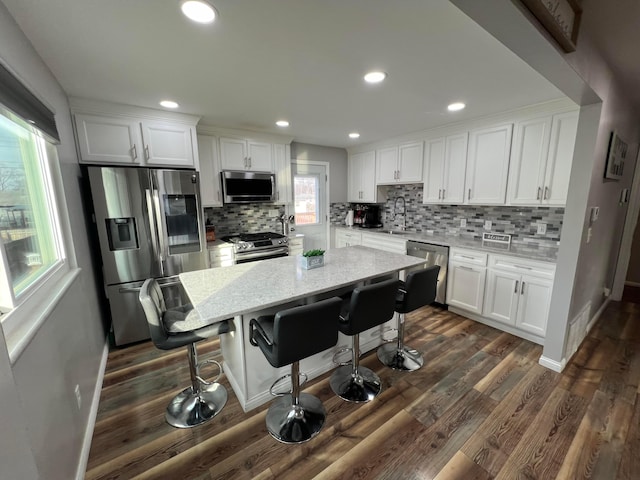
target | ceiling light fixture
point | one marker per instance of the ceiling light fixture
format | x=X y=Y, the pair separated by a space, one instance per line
x=354 y=135
x=454 y=107
x=375 y=77
x=169 y=104
x=282 y=123
x=199 y=11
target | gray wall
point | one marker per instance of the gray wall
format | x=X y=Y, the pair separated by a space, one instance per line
x=337 y=159
x=47 y=429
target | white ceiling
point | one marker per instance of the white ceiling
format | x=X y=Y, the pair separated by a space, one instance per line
x=300 y=60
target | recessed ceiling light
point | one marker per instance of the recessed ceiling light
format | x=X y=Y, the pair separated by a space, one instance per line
x=375 y=77
x=282 y=123
x=354 y=135
x=454 y=107
x=169 y=104
x=198 y=11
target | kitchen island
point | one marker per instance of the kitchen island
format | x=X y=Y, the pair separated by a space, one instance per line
x=248 y=290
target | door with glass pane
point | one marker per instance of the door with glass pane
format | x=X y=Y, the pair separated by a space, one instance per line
x=311 y=203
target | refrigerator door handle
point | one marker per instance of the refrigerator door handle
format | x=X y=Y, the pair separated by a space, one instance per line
x=153 y=229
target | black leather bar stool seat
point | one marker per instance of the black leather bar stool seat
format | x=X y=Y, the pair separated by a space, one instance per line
x=202 y=400
x=368 y=307
x=286 y=338
x=418 y=290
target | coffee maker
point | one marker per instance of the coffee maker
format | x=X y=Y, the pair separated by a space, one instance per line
x=371 y=217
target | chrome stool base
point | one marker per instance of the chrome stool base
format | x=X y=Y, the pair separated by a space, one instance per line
x=299 y=423
x=352 y=387
x=405 y=359
x=188 y=410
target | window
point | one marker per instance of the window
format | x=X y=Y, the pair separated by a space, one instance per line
x=305 y=194
x=29 y=226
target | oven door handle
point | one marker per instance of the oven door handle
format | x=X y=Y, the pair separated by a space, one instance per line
x=262 y=253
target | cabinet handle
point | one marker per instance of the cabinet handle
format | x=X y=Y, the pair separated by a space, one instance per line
x=522 y=289
x=516 y=289
x=523 y=267
x=469 y=197
x=134 y=152
x=146 y=152
x=465 y=268
x=249 y=161
x=219 y=195
x=439 y=194
x=546 y=191
x=443 y=193
x=538 y=195
x=467 y=256
x=277 y=195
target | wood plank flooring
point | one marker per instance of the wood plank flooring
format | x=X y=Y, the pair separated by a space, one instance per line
x=481 y=408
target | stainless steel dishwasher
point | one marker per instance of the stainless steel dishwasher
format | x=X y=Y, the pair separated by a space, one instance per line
x=435 y=255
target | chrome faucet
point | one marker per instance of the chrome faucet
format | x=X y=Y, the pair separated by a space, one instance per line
x=404 y=212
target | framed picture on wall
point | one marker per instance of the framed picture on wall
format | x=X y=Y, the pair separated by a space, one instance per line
x=616 y=157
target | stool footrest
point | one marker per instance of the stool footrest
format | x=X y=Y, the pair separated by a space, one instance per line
x=288 y=375
x=209 y=362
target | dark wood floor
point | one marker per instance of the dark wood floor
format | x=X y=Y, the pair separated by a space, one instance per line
x=481 y=408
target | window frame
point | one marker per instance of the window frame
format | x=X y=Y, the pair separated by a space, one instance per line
x=37 y=300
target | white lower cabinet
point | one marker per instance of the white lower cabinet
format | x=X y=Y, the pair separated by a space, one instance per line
x=347 y=238
x=384 y=242
x=502 y=290
x=466 y=278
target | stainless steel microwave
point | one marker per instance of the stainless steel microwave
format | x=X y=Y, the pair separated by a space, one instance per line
x=248 y=187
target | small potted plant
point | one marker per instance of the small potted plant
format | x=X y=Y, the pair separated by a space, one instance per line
x=312 y=259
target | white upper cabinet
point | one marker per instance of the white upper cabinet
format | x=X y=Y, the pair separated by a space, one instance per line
x=562 y=143
x=243 y=154
x=541 y=160
x=168 y=144
x=488 y=165
x=210 y=191
x=362 y=177
x=400 y=164
x=444 y=169
x=114 y=134
x=282 y=162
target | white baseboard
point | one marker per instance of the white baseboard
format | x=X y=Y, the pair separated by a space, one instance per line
x=552 y=364
x=632 y=284
x=600 y=311
x=93 y=414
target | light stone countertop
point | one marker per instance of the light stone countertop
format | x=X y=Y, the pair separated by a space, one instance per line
x=546 y=254
x=221 y=293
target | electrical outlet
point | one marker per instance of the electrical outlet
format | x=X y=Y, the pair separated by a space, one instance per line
x=607 y=291
x=463 y=222
x=542 y=228
x=78 y=396
x=487 y=225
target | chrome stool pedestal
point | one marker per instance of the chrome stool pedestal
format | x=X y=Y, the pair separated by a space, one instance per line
x=354 y=383
x=397 y=356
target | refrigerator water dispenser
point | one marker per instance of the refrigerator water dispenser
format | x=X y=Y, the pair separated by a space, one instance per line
x=122 y=233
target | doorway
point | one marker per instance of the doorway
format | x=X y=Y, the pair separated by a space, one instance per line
x=311 y=202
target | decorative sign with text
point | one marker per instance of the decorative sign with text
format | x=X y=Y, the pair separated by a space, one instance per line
x=496 y=237
x=560 y=18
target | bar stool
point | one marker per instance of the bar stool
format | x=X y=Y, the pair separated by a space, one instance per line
x=418 y=290
x=286 y=338
x=169 y=329
x=368 y=306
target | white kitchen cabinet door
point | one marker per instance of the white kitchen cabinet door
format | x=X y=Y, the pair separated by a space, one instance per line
x=528 y=161
x=563 y=139
x=210 y=192
x=465 y=286
x=434 y=170
x=282 y=164
x=410 y=161
x=168 y=144
x=362 y=177
x=109 y=139
x=501 y=297
x=386 y=243
x=387 y=165
x=233 y=154
x=533 y=305
x=488 y=165
x=259 y=155
x=455 y=164
x=346 y=238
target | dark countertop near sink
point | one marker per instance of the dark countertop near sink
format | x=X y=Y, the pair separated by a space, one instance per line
x=533 y=252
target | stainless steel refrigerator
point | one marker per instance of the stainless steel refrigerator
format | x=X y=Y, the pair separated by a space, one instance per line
x=149 y=224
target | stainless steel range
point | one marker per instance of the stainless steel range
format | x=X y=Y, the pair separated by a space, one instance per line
x=249 y=247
